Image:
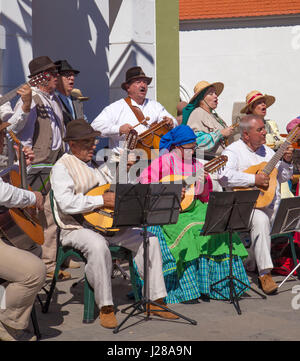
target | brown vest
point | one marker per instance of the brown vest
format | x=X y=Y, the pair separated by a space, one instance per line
x=42 y=136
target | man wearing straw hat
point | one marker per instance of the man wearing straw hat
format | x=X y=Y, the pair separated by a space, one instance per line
x=117 y=119
x=257 y=104
x=201 y=116
x=23 y=270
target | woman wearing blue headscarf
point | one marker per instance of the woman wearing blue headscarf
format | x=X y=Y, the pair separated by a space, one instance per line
x=201 y=116
x=191 y=263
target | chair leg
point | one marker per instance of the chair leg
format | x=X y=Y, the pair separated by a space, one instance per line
x=60 y=259
x=89 y=303
x=35 y=323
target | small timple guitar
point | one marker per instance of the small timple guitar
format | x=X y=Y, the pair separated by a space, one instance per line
x=188 y=181
x=267 y=194
x=36 y=80
x=102 y=218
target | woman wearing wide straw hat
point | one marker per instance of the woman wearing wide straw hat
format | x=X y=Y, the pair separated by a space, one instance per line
x=201 y=116
x=257 y=104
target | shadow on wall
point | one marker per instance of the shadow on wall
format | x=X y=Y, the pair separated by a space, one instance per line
x=75 y=30
x=14 y=73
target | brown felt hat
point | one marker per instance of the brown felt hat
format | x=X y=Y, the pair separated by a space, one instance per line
x=134 y=73
x=78 y=129
x=40 y=64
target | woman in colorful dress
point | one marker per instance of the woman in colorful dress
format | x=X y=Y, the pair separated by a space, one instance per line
x=192 y=262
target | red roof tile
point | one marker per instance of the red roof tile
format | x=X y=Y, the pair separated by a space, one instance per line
x=212 y=9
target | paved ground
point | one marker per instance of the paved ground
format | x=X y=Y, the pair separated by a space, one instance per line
x=274 y=318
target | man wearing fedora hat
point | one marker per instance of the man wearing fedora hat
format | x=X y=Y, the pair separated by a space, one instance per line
x=23 y=270
x=72 y=106
x=201 y=116
x=44 y=132
x=71 y=177
x=257 y=104
x=118 y=118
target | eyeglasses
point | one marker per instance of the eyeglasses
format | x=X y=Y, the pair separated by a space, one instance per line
x=68 y=74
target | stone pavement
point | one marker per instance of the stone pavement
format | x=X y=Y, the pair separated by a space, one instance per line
x=275 y=318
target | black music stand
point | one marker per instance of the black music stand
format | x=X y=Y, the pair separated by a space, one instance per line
x=143 y=205
x=230 y=212
x=287 y=220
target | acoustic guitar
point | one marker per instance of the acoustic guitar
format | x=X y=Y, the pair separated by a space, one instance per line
x=36 y=80
x=19 y=225
x=102 y=218
x=267 y=194
x=188 y=181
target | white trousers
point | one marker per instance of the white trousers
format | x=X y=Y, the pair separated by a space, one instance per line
x=99 y=263
x=260 y=249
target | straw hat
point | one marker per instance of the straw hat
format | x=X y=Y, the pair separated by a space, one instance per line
x=205 y=85
x=77 y=94
x=255 y=95
x=3 y=125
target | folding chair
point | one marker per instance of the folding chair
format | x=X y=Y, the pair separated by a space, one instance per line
x=63 y=252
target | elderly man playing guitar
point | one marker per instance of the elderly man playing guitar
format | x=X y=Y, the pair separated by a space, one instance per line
x=71 y=178
x=24 y=271
x=252 y=164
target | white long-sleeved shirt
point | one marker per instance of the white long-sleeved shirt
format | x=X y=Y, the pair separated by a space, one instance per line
x=17 y=119
x=54 y=112
x=112 y=117
x=11 y=196
x=240 y=158
x=64 y=191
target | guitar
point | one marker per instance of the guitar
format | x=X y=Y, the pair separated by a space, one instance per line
x=19 y=225
x=102 y=218
x=38 y=79
x=267 y=194
x=188 y=181
x=233 y=126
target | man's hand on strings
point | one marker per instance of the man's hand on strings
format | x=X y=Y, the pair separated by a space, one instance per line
x=109 y=199
x=28 y=153
x=125 y=129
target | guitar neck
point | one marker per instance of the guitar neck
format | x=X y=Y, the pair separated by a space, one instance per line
x=10 y=95
x=276 y=158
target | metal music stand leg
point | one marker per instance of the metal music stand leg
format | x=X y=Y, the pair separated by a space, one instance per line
x=233 y=297
x=143 y=306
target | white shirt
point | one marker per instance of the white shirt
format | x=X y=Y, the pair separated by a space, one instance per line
x=64 y=189
x=17 y=118
x=11 y=196
x=54 y=112
x=241 y=157
x=112 y=117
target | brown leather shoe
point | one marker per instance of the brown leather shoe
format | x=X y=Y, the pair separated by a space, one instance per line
x=267 y=284
x=107 y=317
x=158 y=311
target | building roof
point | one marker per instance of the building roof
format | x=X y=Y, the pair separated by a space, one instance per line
x=208 y=9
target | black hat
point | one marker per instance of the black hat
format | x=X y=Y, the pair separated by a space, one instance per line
x=135 y=73
x=78 y=129
x=63 y=65
x=40 y=64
